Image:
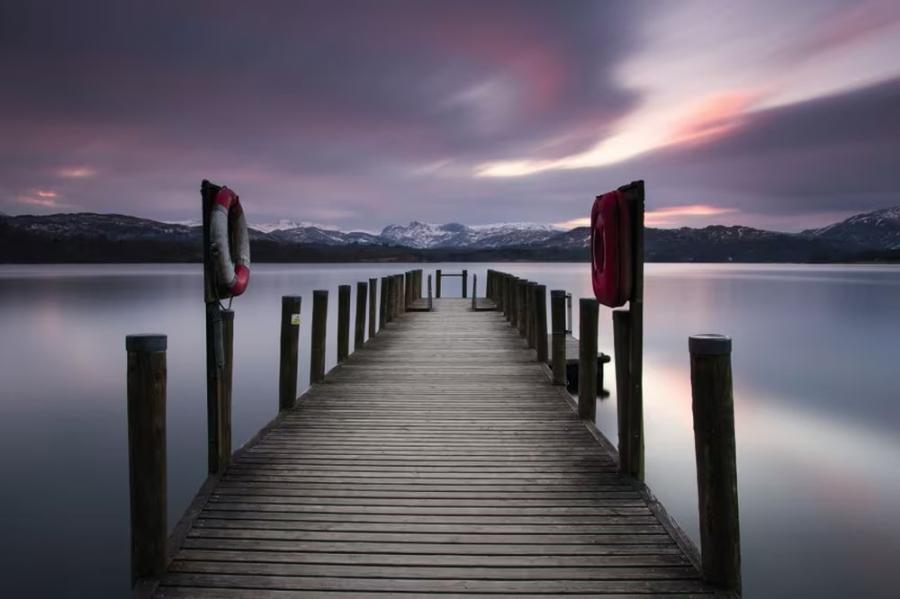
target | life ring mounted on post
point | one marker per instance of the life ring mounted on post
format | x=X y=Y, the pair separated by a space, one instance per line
x=230 y=244
x=611 y=249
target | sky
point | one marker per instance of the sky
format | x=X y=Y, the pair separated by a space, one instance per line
x=359 y=114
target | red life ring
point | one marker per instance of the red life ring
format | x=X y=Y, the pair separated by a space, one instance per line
x=230 y=243
x=611 y=251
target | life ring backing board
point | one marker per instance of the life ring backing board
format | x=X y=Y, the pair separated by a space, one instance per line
x=614 y=218
x=226 y=246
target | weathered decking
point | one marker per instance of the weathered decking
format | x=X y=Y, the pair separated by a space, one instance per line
x=438 y=459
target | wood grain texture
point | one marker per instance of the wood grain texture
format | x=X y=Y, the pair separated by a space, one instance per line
x=438 y=459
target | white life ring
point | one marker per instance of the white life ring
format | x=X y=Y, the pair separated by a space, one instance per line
x=230 y=243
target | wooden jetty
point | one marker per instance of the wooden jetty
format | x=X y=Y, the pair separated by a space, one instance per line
x=441 y=458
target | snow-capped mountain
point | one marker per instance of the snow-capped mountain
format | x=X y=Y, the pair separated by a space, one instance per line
x=317 y=235
x=873 y=230
x=454 y=235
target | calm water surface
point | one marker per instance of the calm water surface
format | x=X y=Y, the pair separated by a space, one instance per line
x=817 y=408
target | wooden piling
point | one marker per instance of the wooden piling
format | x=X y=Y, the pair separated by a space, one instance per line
x=437 y=283
x=587 y=358
x=373 y=285
x=465 y=283
x=522 y=310
x=382 y=303
x=531 y=324
x=540 y=322
x=343 y=328
x=359 y=337
x=430 y=299
x=558 y=325
x=713 y=409
x=319 y=327
x=218 y=411
x=474 y=291
x=289 y=351
x=146 y=398
x=629 y=409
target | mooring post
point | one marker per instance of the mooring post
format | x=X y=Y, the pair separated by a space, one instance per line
x=540 y=322
x=289 y=351
x=359 y=337
x=465 y=283
x=437 y=283
x=317 y=349
x=382 y=304
x=219 y=411
x=430 y=300
x=474 y=291
x=146 y=397
x=520 y=306
x=713 y=409
x=630 y=410
x=558 y=324
x=523 y=307
x=400 y=308
x=510 y=298
x=389 y=299
x=343 y=328
x=373 y=284
x=531 y=324
x=570 y=327
x=587 y=358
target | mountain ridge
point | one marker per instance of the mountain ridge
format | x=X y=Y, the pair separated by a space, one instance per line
x=94 y=237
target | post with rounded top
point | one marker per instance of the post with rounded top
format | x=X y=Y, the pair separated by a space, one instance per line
x=343 y=330
x=558 y=341
x=540 y=322
x=373 y=287
x=319 y=326
x=587 y=358
x=359 y=335
x=713 y=409
x=289 y=351
x=437 y=283
x=146 y=397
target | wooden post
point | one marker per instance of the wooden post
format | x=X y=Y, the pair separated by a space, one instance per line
x=465 y=283
x=540 y=322
x=373 y=286
x=587 y=358
x=389 y=299
x=630 y=413
x=520 y=306
x=401 y=282
x=558 y=323
x=289 y=352
x=569 y=325
x=319 y=323
x=219 y=412
x=531 y=324
x=343 y=329
x=510 y=298
x=474 y=291
x=713 y=408
x=359 y=337
x=437 y=283
x=382 y=304
x=146 y=397
x=430 y=300
x=635 y=193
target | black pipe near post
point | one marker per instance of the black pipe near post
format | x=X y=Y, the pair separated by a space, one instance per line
x=146 y=397
x=714 y=442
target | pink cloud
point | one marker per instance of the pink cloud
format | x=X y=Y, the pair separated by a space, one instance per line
x=713 y=117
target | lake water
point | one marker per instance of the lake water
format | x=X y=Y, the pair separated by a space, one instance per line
x=816 y=394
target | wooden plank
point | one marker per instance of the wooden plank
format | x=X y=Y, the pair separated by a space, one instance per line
x=438 y=458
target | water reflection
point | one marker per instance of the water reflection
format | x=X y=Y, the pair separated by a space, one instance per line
x=817 y=409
